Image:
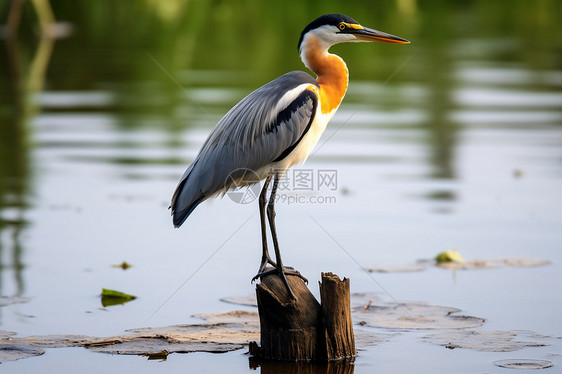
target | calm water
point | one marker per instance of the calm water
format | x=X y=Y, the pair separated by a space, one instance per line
x=452 y=141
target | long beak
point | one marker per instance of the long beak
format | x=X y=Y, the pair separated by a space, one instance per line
x=370 y=35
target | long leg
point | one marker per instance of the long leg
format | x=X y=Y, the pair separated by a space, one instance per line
x=271 y=219
x=279 y=268
x=265 y=258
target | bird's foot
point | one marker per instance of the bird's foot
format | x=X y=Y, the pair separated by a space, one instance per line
x=286 y=270
x=282 y=271
x=266 y=260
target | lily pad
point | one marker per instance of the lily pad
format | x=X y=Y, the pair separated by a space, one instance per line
x=249 y=300
x=18 y=351
x=470 y=265
x=209 y=337
x=494 y=263
x=414 y=316
x=234 y=316
x=460 y=265
x=360 y=300
x=365 y=338
x=489 y=341
x=525 y=262
x=523 y=364
x=154 y=346
x=217 y=333
x=398 y=268
x=53 y=341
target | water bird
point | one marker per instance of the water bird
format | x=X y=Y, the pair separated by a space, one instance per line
x=274 y=128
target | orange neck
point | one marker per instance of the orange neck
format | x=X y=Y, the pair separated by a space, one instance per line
x=332 y=73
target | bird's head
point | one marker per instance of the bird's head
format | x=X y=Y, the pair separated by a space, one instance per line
x=332 y=29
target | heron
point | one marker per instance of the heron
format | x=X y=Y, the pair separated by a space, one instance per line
x=274 y=128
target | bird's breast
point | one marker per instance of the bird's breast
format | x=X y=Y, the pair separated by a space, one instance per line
x=310 y=139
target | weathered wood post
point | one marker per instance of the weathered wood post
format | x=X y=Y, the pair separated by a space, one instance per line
x=301 y=329
x=336 y=311
x=290 y=329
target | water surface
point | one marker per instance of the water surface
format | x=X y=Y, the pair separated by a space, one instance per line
x=452 y=141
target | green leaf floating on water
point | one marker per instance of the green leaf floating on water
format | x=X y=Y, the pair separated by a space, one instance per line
x=111 y=297
x=449 y=256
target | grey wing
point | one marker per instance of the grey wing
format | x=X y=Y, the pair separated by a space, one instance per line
x=262 y=128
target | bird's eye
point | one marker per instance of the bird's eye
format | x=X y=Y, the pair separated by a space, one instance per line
x=341 y=26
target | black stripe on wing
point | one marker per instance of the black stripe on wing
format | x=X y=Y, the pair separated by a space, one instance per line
x=284 y=117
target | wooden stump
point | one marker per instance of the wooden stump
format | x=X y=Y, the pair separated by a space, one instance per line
x=336 y=312
x=289 y=328
x=301 y=329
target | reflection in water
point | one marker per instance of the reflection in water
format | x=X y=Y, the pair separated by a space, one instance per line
x=14 y=142
x=336 y=367
x=14 y=173
x=443 y=133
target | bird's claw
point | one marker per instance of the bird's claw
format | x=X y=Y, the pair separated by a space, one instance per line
x=285 y=270
x=295 y=272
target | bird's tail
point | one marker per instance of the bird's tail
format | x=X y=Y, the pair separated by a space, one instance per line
x=210 y=173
